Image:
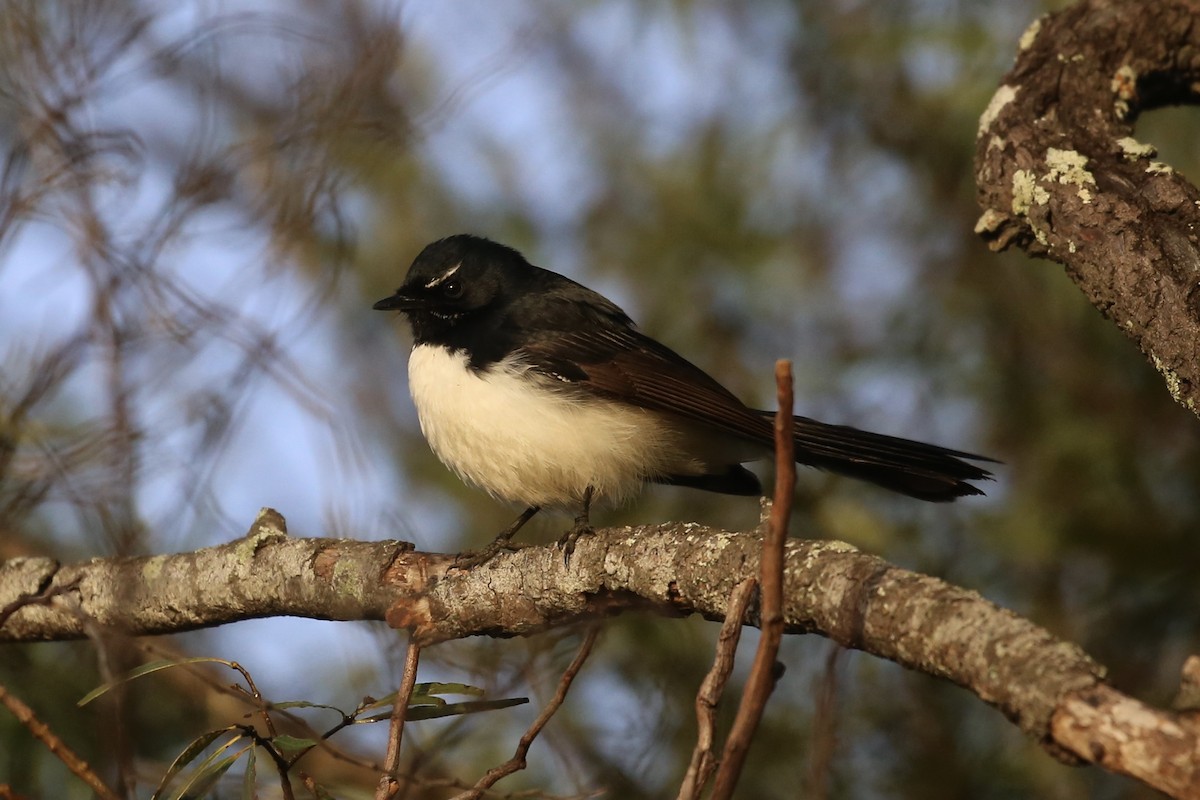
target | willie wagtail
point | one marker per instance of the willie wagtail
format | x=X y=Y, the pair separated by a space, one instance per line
x=543 y=392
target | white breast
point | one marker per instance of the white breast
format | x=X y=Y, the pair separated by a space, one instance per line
x=527 y=443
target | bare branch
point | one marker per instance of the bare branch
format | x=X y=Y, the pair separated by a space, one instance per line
x=389 y=782
x=855 y=599
x=824 y=728
x=703 y=763
x=41 y=731
x=763 y=675
x=264 y=574
x=1123 y=735
x=1061 y=176
x=517 y=762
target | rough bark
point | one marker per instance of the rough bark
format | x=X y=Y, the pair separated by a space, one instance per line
x=1049 y=687
x=1103 y=726
x=263 y=574
x=1061 y=175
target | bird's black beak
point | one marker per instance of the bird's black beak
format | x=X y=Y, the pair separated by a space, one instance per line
x=399 y=302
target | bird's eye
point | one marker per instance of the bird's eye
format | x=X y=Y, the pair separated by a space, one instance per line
x=452 y=289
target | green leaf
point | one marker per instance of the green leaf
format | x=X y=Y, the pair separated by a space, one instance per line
x=195 y=748
x=146 y=669
x=384 y=702
x=431 y=711
x=306 y=704
x=469 y=707
x=423 y=689
x=209 y=773
x=425 y=693
x=292 y=744
x=250 y=778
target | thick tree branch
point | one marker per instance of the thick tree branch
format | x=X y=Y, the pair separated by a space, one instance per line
x=1061 y=176
x=264 y=574
x=1049 y=687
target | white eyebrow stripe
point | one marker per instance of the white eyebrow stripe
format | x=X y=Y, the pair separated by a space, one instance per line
x=442 y=278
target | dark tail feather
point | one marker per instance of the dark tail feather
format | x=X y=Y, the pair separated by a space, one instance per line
x=924 y=471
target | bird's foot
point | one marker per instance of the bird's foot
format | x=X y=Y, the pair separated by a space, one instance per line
x=469 y=559
x=582 y=527
x=567 y=541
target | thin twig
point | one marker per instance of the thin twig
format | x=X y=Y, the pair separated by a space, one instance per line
x=713 y=686
x=259 y=702
x=389 y=782
x=204 y=675
x=41 y=731
x=761 y=681
x=824 y=727
x=281 y=764
x=517 y=762
x=7 y=793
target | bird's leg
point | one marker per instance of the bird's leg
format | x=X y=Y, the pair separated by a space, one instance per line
x=582 y=527
x=503 y=541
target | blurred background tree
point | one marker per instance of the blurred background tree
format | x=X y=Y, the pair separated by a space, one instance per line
x=199 y=202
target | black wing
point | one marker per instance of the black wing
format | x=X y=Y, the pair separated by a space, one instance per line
x=624 y=365
x=602 y=354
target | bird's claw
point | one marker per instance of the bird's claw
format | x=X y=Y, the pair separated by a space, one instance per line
x=568 y=539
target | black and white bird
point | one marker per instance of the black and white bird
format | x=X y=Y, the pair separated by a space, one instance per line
x=542 y=392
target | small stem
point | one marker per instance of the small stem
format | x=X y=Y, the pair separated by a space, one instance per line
x=389 y=782
x=761 y=680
